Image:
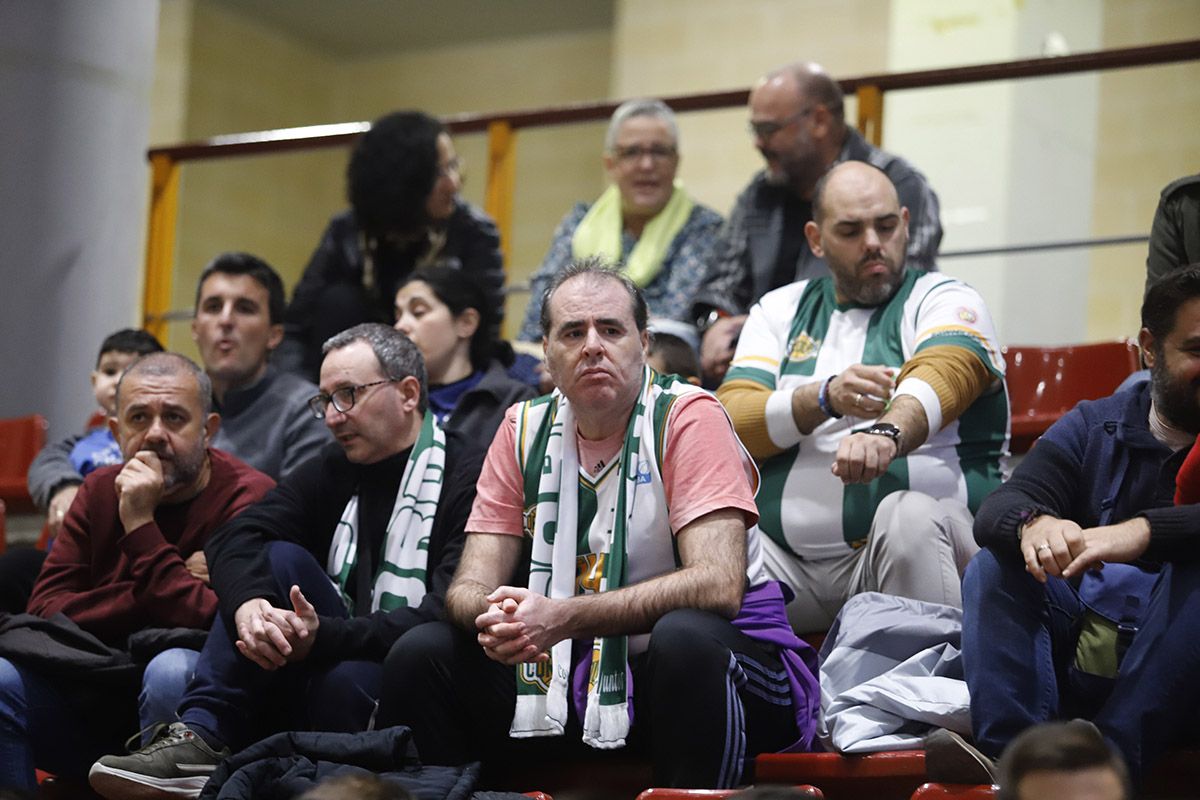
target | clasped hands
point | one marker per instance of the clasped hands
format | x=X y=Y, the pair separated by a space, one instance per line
x=1059 y=547
x=272 y=637
x=518 y=626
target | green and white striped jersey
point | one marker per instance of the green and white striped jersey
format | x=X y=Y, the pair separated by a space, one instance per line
x=799 y=334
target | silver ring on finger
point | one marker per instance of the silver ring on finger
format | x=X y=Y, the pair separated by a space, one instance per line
x=858 y=399
x=1043 y=546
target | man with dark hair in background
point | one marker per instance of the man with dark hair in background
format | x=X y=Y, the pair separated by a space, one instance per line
x=238 y=323
x=797 y=119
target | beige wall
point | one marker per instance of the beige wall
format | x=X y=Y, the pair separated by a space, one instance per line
x=1112 y=141
x=243 y=77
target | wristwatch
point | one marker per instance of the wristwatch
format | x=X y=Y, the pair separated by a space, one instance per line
x=886 y=429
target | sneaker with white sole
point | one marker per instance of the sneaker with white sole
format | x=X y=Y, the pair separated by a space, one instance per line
x=174 y=765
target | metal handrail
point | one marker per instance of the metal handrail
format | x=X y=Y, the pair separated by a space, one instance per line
x=501 y=128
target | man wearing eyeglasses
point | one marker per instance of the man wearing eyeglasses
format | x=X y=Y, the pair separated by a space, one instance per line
x=797 y=122
x=644 y=220
x=317 y=580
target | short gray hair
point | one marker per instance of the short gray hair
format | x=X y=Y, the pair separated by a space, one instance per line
x=398 y=357
x=166 y=363
x=640 y=108
x=601 y=270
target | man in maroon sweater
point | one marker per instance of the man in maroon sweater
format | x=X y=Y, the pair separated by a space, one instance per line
x=129 y=557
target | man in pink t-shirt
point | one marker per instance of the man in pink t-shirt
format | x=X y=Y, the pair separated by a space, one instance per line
x=650 y=606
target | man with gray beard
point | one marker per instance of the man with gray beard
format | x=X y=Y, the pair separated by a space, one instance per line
x=123 y=563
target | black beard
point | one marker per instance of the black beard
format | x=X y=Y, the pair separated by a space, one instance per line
x=1175 y=402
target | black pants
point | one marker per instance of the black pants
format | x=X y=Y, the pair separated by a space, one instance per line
x=707 y=699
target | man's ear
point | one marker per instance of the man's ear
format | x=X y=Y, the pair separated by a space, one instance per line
x=275 y=338
x=212 y=424
x=1146 y=342
x=812 y=232
x=410 y=391
x=113 y=425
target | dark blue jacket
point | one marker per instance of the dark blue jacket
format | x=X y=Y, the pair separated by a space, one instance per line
x=1098 y=465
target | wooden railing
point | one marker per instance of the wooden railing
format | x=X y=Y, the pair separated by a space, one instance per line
x=502 y=128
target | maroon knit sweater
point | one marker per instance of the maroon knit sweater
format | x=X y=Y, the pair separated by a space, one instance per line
x=113 y=584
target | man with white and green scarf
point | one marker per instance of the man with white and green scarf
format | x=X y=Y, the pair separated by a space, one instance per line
x=318 y=579
x=649 y=624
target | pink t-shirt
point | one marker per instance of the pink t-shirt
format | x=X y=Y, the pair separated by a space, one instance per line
x=702 y=469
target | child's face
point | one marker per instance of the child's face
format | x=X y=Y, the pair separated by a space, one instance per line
x=105 y=377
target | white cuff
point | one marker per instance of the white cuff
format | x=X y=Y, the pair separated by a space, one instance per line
x=781 y=425
x=927 y=397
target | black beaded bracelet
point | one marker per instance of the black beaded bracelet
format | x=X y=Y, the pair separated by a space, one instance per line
x=823 y=399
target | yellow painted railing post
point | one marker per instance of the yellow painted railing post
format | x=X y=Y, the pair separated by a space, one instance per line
x=501 y=179
x=870 y=114
x=160 y=244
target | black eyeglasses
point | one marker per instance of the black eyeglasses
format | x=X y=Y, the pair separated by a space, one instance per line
x=342 y=399
x=634 y=153
x=765 y=130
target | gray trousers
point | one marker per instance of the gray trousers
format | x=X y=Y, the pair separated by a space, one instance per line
x=918 y=547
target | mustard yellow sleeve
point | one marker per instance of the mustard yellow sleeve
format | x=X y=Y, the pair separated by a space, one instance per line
x=746 y=402
x=957 y=375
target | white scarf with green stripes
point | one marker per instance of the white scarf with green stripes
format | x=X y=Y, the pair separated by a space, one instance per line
x=635 y=536
x=400 y=579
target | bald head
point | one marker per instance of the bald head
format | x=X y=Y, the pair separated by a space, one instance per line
x=861 y=231
x=799 y=128
x=811 y=84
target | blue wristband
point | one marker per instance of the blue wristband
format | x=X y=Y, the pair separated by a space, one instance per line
x=823 y=399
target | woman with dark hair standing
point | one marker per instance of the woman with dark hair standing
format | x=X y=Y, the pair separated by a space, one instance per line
x=449 y=317
x=402 y=182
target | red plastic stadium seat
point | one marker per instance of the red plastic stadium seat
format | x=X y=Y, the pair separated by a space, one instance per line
x=1046 y=382
x=954 y=791
x=20 y=440
x=877 y=776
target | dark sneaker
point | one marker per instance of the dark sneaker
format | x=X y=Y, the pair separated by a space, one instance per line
x=949 y=758
x=176 y=764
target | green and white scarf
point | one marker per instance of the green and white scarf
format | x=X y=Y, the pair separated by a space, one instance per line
x=400 y=579
x=636 y=531
x=599 y=233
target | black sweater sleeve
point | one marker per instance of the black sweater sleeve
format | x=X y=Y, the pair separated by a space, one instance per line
x=304 y=508
x=1050 y=481
x=369 y=637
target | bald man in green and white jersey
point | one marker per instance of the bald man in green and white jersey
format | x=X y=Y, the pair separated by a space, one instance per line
x=874 y=403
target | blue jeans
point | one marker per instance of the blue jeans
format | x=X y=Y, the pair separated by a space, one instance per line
x=239 y=702
x=1019 y=640
x=163 y=683
x=40 y=725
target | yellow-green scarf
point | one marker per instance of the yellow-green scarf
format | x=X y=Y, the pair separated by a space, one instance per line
x=599 y=234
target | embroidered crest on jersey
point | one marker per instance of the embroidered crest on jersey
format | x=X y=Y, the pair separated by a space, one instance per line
x=803 y=347
x=967 y=315
x=529 y=519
